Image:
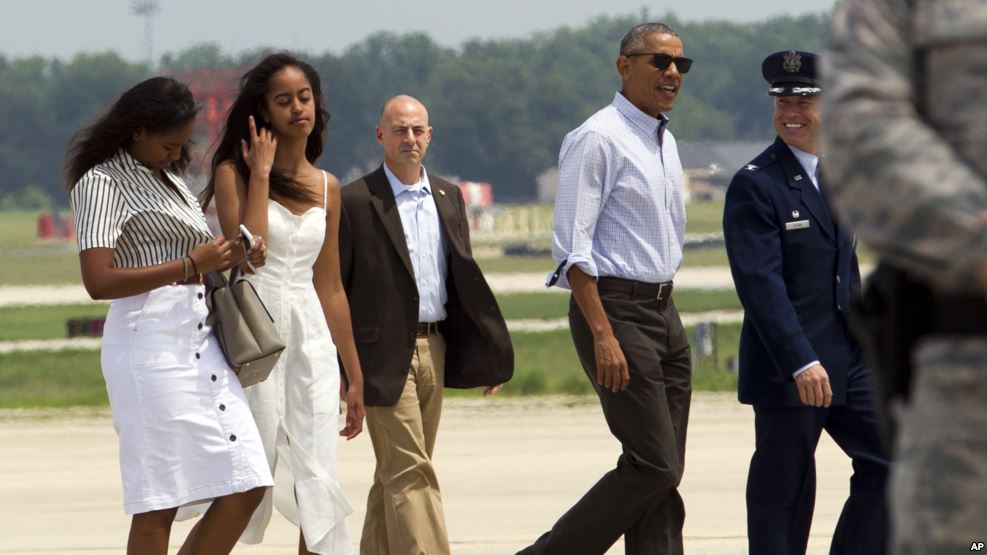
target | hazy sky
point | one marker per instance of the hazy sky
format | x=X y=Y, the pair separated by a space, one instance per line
x=64 y=27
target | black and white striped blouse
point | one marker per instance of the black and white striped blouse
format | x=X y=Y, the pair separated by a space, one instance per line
x=120 y=204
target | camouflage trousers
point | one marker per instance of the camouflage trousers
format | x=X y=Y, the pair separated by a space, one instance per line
x=939 y=479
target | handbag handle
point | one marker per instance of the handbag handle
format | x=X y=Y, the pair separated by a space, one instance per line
x=217 y=279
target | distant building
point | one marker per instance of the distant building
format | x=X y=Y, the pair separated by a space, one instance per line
x=728 y=156
x=709 y=165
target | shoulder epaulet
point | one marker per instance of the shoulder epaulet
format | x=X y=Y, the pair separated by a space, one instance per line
x=758 y=164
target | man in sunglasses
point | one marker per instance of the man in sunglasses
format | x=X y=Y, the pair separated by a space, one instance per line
x=618 y=231
x=794 y=267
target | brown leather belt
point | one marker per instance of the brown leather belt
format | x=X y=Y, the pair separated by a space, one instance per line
x=635 y=289
x=427 y=328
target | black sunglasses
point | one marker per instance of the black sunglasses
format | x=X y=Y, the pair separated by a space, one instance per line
x=662 y=61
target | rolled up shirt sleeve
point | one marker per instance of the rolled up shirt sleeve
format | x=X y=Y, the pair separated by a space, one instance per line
x=585 y=164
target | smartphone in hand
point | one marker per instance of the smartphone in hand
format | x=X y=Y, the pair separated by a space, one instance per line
x=248 y=245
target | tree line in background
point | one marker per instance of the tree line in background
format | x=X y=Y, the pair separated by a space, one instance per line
x=500 y=108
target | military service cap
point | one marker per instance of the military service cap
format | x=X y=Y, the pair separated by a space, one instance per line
x=792 y=73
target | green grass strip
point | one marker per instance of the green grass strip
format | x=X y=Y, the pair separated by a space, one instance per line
x=518 y=306
x=51 y=379
x=44 y=322
x=546 y=364
x=712 y=256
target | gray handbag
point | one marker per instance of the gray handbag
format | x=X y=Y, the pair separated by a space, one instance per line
x=243 y=326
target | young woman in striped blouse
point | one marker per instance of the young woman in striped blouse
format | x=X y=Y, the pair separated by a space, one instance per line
x=186 y=432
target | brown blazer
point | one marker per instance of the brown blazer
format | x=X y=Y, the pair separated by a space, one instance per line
x=383 y=295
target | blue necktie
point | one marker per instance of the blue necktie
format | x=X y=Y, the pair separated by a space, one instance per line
x=823 y=191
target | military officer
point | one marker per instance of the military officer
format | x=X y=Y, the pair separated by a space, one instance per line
x=794 y=268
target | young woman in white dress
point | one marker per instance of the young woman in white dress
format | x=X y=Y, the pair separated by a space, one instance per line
x=186 y=433
x=264 y=177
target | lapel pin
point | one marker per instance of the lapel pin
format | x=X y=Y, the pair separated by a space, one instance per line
x=798 y=177
x=795 y=213
x=441 y=192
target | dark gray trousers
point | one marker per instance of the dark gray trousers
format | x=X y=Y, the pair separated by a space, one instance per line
x=639 y=498
x=781 y=484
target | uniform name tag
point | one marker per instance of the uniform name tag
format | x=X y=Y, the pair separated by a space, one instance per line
x=801 y=224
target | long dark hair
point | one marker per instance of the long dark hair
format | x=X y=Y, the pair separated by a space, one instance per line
x=157 y=105
x=254 y=85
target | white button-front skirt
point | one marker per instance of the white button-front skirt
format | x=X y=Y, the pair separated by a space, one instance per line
x=186 y=431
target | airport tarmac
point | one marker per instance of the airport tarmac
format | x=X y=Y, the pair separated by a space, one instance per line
x=508 y=468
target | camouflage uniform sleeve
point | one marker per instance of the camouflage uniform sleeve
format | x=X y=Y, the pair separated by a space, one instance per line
x=902 y=187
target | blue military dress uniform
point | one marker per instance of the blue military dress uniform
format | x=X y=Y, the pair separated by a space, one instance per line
x=795 y=269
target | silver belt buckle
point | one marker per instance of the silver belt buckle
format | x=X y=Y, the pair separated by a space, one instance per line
x=661 y=291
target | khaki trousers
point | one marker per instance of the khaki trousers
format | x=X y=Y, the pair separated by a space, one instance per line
x=404 y=507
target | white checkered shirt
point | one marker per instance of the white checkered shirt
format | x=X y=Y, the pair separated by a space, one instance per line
x=619 y=210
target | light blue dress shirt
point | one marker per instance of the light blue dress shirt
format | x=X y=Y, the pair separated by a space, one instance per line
x=619 y=208
x=426 y=243
x=809 y=162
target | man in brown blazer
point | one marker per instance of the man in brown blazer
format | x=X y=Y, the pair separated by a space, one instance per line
x=423 y=319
